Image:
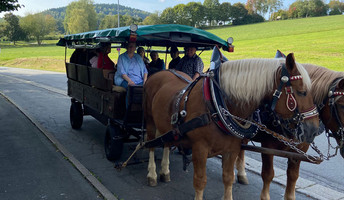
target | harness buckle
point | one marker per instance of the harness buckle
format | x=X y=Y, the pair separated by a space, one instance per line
x=174 y=118
x=277 y=94
x=289 y=90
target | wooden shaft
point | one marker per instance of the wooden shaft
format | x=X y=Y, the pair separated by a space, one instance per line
x=286 y=154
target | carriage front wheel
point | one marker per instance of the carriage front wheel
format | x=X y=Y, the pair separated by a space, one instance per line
x=76 y=114
x=113 y=143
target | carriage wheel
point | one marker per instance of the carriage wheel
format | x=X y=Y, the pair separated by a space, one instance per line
x=113 y=143
x=76 y=115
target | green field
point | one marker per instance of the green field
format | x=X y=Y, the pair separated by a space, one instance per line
x=318 y=40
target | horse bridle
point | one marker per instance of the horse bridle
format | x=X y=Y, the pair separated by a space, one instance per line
x=331 y=98
x=291 y=103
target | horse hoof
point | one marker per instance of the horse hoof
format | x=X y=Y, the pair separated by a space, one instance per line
x=165 y=178
x=152 y=182
x=243 y=180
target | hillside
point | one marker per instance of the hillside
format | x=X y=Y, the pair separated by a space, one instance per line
x=317 y=40
x=102 y=10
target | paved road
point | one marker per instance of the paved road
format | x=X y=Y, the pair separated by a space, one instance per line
x=31 y=167
x=42 y=94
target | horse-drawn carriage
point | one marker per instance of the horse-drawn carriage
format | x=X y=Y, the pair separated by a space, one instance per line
x=93 y=92
x=211 y=114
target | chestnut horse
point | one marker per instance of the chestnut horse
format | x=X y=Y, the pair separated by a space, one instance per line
x=327 y=91
x=247 y=84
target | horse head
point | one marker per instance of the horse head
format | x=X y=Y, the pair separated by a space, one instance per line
x=328 y=91
x=283 y=85
x=292 y=103
x=332 y=114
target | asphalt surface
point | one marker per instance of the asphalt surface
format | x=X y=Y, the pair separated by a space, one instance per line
x=31 y=167
x=43 y=95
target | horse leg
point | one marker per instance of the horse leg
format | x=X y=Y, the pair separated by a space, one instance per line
x=228 y=176
x=165 y=163
x=151 y=176
x=199 y=160
x=240 y=166
x=292 y=176
x=267 y=175
x=151 y=133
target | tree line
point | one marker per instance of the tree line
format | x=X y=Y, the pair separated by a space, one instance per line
x=84 y=15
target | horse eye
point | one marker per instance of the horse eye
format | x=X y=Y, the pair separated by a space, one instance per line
x=301 y=93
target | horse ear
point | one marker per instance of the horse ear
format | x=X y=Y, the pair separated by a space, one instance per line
x=290 y=62
x=341 y=84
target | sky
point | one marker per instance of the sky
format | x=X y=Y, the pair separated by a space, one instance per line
x=35 y=6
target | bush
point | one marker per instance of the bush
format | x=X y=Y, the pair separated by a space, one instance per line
x=249 y=19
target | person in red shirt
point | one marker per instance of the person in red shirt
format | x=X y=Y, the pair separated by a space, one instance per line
x=104 y=62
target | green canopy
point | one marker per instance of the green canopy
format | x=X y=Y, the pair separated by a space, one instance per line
x=150 y=35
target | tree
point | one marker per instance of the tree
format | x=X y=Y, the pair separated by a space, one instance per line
x=80 y=17
x=336 y=7
x=279 y=15
x=152 y=19
x=274 y=5
x=226 y=12
x=238 y=11
x=211 y=10
x=12 y=30
x=195 y=13
x=38 y=25
x=307 y=8
x=109 y=21
x=167 y=16
x=9 y=5
x=181 y=15
x=263 y=6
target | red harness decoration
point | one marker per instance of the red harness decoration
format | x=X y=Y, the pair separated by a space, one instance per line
x=291 y=101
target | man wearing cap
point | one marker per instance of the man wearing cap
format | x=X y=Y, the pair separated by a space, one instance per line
x=174 y=52
x=191 y=63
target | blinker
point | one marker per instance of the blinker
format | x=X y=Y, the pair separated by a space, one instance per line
x=284 y=79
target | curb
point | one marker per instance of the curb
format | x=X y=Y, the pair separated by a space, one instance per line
x=81 y=168
x=303 y=186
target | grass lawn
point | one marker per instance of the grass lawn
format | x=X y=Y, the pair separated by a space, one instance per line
x=318 y=40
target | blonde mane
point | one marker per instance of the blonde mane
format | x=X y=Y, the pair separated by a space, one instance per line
x=249 y=80
x=321 y=78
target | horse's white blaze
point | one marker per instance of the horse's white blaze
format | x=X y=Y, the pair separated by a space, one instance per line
x=165 y=162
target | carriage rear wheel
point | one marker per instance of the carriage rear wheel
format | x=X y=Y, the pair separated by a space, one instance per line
x=113 y=143
x=76 y=115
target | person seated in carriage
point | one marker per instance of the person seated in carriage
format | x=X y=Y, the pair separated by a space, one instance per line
x=174 y=52
x=141 y=52
x=156 y=65
x=191 y=63
x=131 y=69
x=104 y=62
